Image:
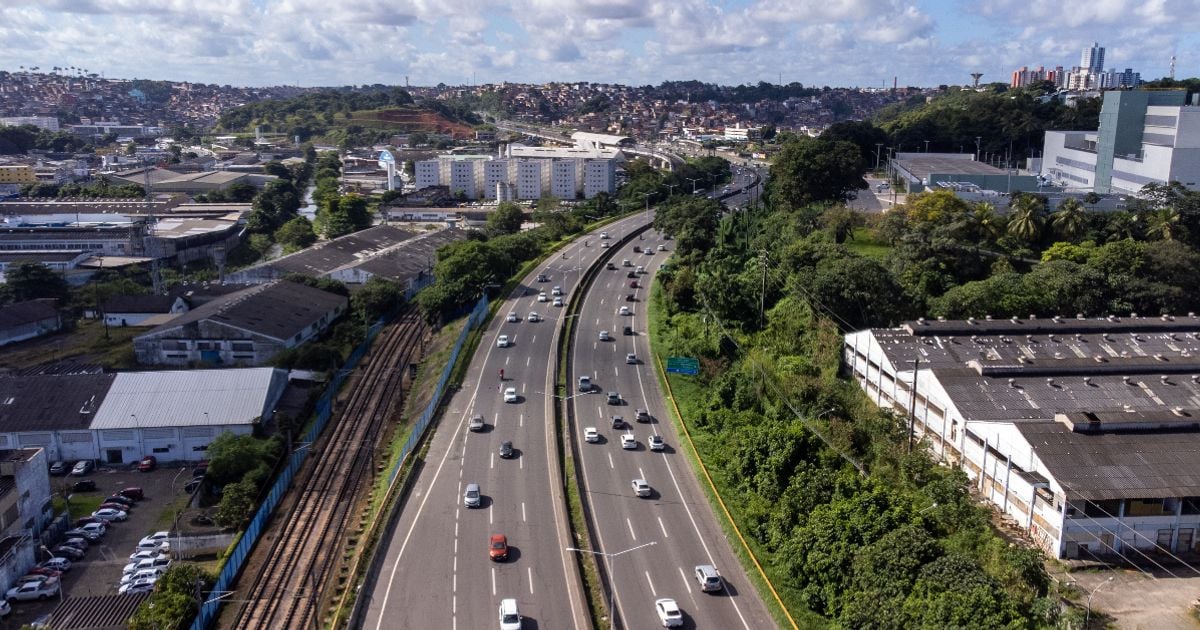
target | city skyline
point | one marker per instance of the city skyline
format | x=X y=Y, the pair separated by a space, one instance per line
x=863 y=43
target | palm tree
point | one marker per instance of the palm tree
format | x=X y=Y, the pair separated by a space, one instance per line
x=1068 y=220
x=988 y=223
x=1026 y=220
x=1163 y=224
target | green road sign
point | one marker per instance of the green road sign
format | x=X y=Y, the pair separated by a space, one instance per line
x=683 y=365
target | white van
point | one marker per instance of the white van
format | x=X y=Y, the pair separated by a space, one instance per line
x=510 y=617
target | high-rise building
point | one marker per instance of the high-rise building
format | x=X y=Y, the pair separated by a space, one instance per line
x=1092 y=59
x=523 y=172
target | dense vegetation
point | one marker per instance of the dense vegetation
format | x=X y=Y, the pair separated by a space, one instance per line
x=18 y=140
x=310 y=114
x=173 y=601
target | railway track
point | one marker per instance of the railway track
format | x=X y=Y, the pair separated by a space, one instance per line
x=288 y=590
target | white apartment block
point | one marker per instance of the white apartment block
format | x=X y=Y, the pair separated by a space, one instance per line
x=1144 y=137
x=1082 y=431
x=524 y=173
x=49 y=123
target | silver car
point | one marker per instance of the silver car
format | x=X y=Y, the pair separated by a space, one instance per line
x=472 y=497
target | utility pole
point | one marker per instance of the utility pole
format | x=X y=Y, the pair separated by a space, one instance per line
x=878 y=147
x=762 y=296
x=912 y=404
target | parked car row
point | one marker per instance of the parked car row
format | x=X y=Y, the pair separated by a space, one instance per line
x=78 y=469
x=148 y=562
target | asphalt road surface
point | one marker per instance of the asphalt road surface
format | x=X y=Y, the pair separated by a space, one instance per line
x=437 y=572
x=676 y=517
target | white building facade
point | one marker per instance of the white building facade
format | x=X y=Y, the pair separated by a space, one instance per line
x=524 y=173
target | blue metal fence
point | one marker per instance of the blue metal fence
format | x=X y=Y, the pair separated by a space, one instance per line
x=233 y=564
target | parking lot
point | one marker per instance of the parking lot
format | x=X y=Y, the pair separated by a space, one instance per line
x=99 y=572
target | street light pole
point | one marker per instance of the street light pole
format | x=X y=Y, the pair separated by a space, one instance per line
x=1087 y=619
x=612 y=583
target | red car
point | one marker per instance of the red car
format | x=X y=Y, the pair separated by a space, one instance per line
x=44 y=571
x=133 y=492
x=148 y=463
x=112 y=505
x=498 y=547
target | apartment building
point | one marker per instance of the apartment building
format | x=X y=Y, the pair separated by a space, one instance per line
x=1082 y=431
x=524 y=173
x=1144 y=137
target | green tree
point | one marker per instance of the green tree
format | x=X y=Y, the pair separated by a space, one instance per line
x=295 y=235
x=1069 y=219
x=1163 y=224
x=231 y=457
x=131 y=148
x=505 y=219
x=27 y=280
x=376 y=297
x=163 y=610
x=238 y=501
x=809 y=170
x=1025 y=222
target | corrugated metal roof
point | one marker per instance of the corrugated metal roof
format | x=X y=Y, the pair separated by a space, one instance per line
x=180 y=398
x=106 y=612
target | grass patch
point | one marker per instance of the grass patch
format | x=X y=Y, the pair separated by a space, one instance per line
x=166 y=515
x=688 y=394
x=79 y=504
x=865 y=243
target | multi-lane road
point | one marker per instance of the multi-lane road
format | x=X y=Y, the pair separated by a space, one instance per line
x=437 y=572
x=676 y=517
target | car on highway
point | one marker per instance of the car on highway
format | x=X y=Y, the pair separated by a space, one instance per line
x=605 y=245
x=633 y=284
x=662 y=248
x=631 y=359
x=58 y=468
x=656 y=442
x=82 y=467
x=506 y=450
x=637 y=249
x=668 y=612
x=502 y=341
x=611 y=267
x=591 y=435
x=110 y=514
x=641 y=415
x=513 y=317
x=542 y=297
x=510 y=617
x=556 y=291
x=614 y=398
x=148 y=463
x=604 y=236
x=543 y=278
x=558 y=301
x=510 y=395
x=626 y=263
x=627 y=331
x=709 y=578
x=641 y=488
x=604 y=336
x=476 y=423
x=624 y=311
x=628 y=441
x=534 y=317
x=471 y=496
x=498 y=547
x=640 y=270
x=31 y=591
x=631 y=274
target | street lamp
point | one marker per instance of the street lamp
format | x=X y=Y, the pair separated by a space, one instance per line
x=927 y=146
x=693 y=180
x=612 y=583
x=1088 y=617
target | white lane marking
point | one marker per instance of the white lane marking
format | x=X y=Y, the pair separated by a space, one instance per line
x=521 y=420
x=615 y=372
x=522 y=388
x=663 y=527
x=494 y=581
x=507 y=359
x=632 y=533
x=521 y=462
x=686 y=582
x=492 y=461
x=491 y=512
x=641 y=474
x=595 y=345
x=597 y=321
x=387 y=593
x=529 y=571
x=523 y=512
x=610 y=462
x=651 y=583
x=534 y=340
x=527 y=361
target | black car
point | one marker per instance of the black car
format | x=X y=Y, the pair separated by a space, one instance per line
x=610 y=267
x=637 y=249
x=542 y=278
x=59 y=468
x=506 y=450
x=631 y=274
x=628 y=330
x=68 y=552
x=87 y=485
x=121 y=499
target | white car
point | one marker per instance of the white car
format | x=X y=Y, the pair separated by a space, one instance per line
x=98 y=528
x=90 y=536
x=604 y=336
x=631 y=359
x=605 y=244
x=502 y=341
x=641 y=488
x=510 y=395
x=57 y=564
x=30 y=591
x=656 y=443
x=604 y=236
x=110 y=514
x=150 y=554
x=628 y=441
x=144 y=574
x=668 y=612
x=542 y=296
x=558 y=301
x=144 y=585
x=513 y=317
x=591 y=435
x=143 y=564
x=556 y=291
x=624 y=310
x=5 y=608
x=152 y=541
x=476 y=424
x=510 y=617
x=534 y=317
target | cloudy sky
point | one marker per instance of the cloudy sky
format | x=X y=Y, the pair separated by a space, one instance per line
x=819 y=42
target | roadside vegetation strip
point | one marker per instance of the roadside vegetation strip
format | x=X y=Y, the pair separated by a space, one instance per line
x=745 y=552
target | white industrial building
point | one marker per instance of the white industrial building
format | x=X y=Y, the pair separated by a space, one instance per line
x=1086 y=432
x=1144 y=137
x=525 y=172
x=119 y=418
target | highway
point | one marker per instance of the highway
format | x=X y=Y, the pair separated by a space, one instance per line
x=676 y=517
x=437 y=572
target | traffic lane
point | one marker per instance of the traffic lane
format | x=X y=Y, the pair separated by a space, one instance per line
x=683 y=557
x=431 y=541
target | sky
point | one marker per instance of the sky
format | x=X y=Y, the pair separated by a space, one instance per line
x=863 y=43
